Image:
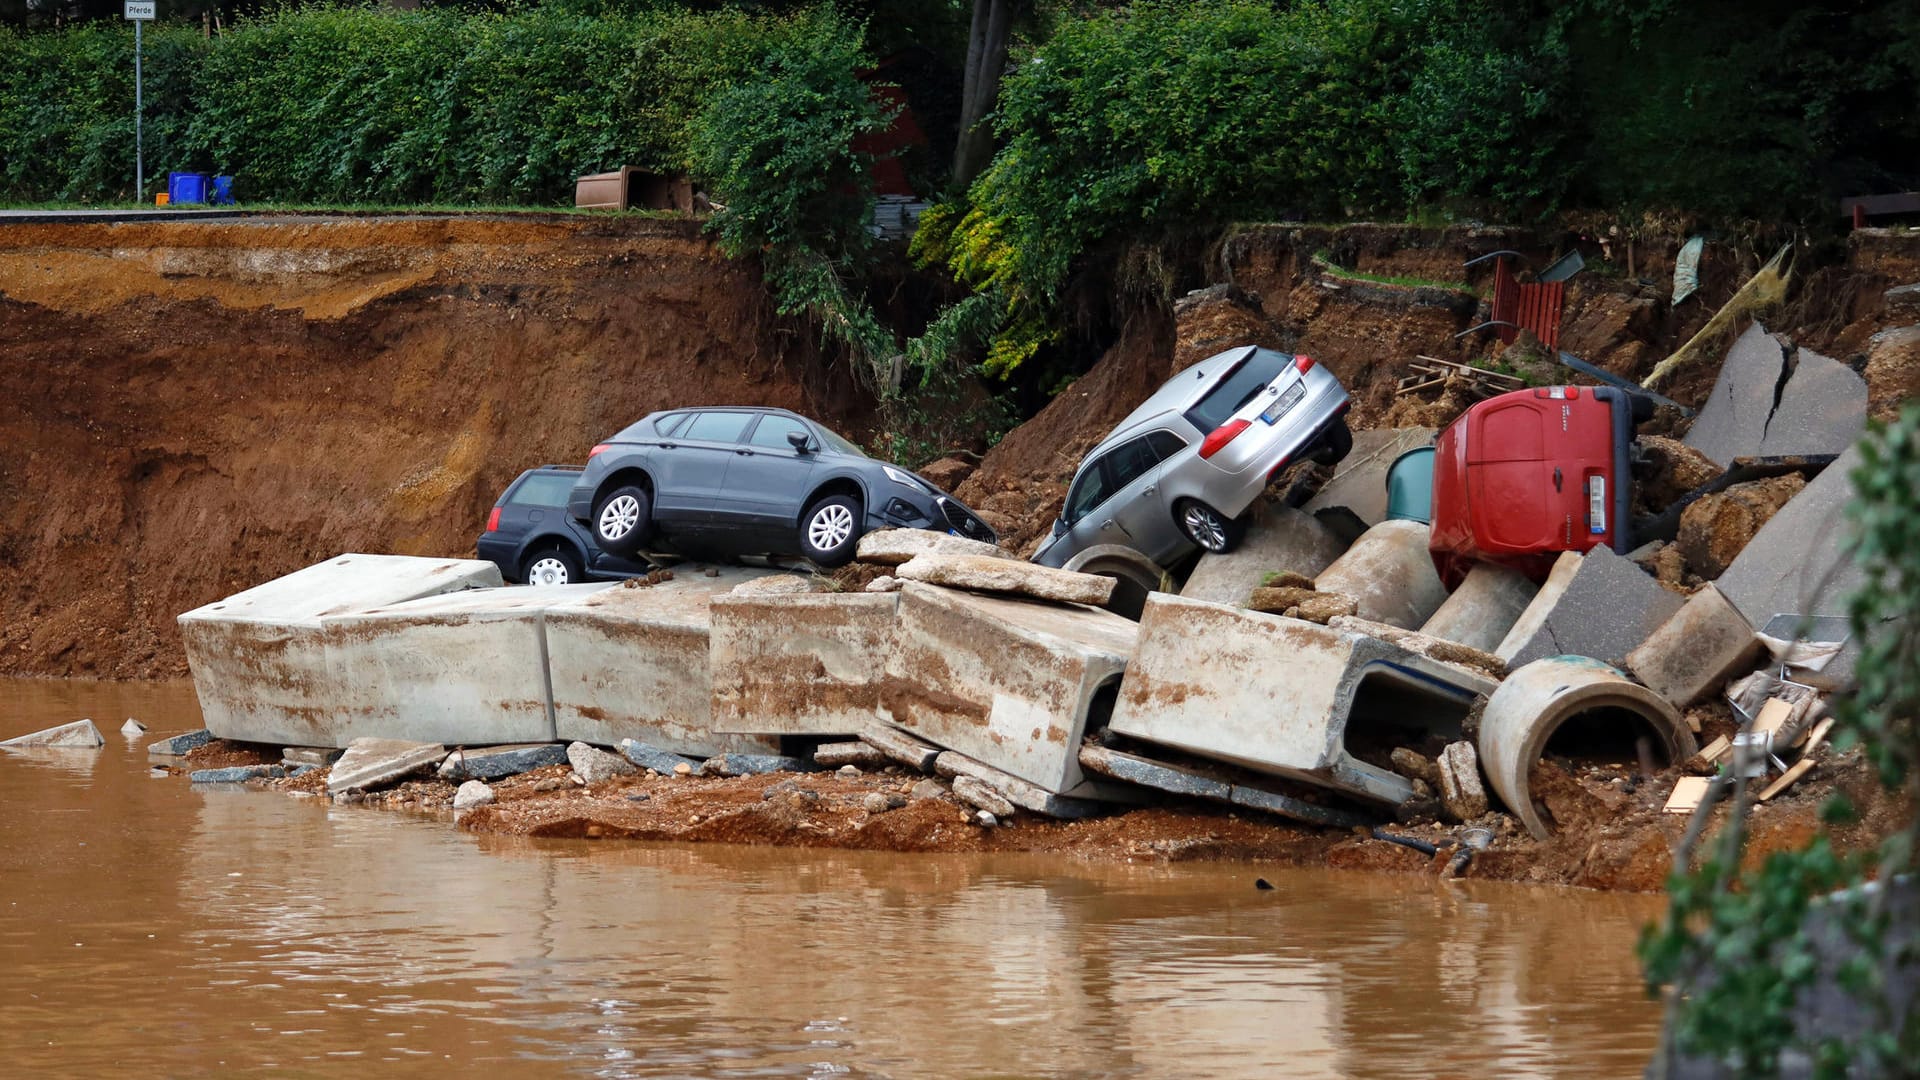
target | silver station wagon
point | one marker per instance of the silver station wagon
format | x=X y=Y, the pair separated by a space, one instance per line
x=1182 y=468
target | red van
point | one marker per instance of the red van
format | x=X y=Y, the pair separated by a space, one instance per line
x=1522 y=477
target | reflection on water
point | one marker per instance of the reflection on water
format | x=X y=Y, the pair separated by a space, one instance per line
x=153 y=927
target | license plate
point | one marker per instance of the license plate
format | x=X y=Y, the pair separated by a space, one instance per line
x=1597 y=505
x=1288 y=400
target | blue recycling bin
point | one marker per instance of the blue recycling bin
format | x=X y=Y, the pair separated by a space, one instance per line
x=1410 y=486
x=223 y=191
x=185 y=188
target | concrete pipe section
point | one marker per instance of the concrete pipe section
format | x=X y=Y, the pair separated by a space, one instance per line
x=1536 y=701
x=1390 y=574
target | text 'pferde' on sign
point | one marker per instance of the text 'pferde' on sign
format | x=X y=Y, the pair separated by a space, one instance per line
x=140 y=9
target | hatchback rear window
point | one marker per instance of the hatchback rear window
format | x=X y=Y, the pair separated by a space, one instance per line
x=543 y=489
x=1237 y=387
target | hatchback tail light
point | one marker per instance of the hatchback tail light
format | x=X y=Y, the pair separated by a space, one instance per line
x=493 y=520
x=1303 y=363
x=1221 y=436
x=599 y=449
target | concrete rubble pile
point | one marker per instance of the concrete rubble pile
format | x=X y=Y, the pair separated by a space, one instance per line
x=1293 y=675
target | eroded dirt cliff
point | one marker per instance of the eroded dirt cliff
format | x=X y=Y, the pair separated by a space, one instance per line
x=190 y=408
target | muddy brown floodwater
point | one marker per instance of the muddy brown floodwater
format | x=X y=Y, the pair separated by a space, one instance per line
x=152 y=928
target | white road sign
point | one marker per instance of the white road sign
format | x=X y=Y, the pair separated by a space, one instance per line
x=140 y=9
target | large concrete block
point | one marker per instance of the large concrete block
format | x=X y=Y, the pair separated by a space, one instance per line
x=258 y=657
x=1282 y=696
x=1284 y=539
x=1389 y=572
x=1704 y=644
x=1823 y=409
x=634 y=664
x=460 y=668
x=1797 y=563
x=1484 y=608
x=1009 y=683
x=1600 y=605
x=1360 y=480
x=810 y=664
x=1734 y=417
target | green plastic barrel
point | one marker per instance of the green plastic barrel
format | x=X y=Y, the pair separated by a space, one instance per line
x=1410 y=486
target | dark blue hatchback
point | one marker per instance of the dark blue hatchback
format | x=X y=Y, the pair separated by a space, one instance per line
x=532 y=540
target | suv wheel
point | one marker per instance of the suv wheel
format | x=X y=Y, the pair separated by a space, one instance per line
x=620 y=522
x=1212 y=531
x=830 y=530
x=555 y=566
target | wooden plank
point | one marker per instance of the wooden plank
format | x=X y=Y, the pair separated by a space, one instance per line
x=1818 y=736
x=1773 y=715
x=1787 y=778
x=1688 y=793
x=1711 y=752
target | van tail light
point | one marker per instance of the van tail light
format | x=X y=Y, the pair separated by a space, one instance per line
x=602 y=448
x=1303 y=363
x=493 y=520
x=1221 y=436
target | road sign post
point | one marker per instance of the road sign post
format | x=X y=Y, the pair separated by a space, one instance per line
x=139 y=11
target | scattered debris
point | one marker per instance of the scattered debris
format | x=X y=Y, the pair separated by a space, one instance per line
x=848 y=754
x=1688 y=793
x=751 y=764
x=593 y=765
x=494 y=762
x=235 y=774
x=982 y=796
x=885 y=583
x=81 y=734
x=999 y=575
x=899 y=746
x=1460 y=788
x=652 y=757
x=180 y=745
x=133 y=727
x=368 y=763
x=471 y=794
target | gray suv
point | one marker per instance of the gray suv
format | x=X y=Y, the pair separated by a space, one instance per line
x=1182 y=468
x=748 y=481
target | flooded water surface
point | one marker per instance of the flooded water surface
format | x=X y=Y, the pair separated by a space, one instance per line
x=150 y=927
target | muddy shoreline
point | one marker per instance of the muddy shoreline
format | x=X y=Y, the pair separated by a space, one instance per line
x=1612 y=836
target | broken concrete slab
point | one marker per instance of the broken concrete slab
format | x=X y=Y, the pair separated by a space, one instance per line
x=1902 y=298
x=466 y=667
x=811 y=664
x=1010 y=683
x=495 y=762
x=1008 y=576
x=885 y=583
x=1282 y=540
x=1281 y=696
x=635 y=664
x=1484 y=608
x=858 y=754
x=369 y=762
x=1733 y=419
x=1145 y=772
x=981 y=796
x=1017 y=791
x=1537 y=700
x=774 y=584
x=133 y=727
x=915 y=754
x=235 y=774
x=664 y=762
x=1390 y=574
x=318 y=756
x=1798 y=563
x=891 y=547
x=1460 y=789
x=752 y=765
x=1323 y=607
x=596 y=766
x=1600 y=605
x=180 y=745
x=471 y=794
x=259 y=658
x=79 y=735
x=1703 y=645
x=1822 y=409
x=1273 y=599
x=1359 y=482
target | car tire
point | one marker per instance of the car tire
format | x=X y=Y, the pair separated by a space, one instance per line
x=1335 y=445
x=622 y=520
x=830 y=530
x=554 y=566
x=1209 y=529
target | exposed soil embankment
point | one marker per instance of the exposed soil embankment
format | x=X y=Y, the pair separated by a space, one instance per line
x=190 y=408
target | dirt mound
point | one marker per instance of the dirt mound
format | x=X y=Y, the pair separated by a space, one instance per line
x=190 y=408
x=1715 y=529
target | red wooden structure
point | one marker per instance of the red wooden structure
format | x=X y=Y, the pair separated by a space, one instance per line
x=1535 y=306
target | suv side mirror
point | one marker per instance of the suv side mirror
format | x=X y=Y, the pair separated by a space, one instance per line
x=799 y=441
x=1059 y=526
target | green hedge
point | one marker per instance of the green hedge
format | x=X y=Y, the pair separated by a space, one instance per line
x=377 y=105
